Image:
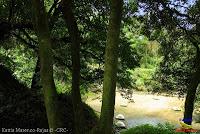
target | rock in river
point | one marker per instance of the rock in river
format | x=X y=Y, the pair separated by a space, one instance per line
x=120 y=124
x=124 y=104
x=176 y=109
x=120 y=117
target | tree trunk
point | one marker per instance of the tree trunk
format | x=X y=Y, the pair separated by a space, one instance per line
x=75 y=49
x=110 y=71
x=191 y=92
x=35 y=84
x=46 y=72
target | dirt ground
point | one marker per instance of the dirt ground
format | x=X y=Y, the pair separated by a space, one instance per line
x=169 y=109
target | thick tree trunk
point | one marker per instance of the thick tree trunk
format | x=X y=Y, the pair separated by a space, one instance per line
x=110 y=71
x=191 y=92
x=46 y=72
x=35 y=83
x=75 y=49
x=190 y=99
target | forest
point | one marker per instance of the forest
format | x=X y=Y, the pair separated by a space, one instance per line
x=100 y=66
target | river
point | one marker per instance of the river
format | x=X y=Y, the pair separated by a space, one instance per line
x=146 y=109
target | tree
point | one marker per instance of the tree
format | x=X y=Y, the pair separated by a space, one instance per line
x=191 y=92
x=46 y=72
x=92 y=18
x=184 y=18
x=35 y=83
x=75 y=50
x=110 y=70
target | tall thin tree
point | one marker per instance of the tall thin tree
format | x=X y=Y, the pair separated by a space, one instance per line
x=46 y=64
x=110 y=71
x=75 y=50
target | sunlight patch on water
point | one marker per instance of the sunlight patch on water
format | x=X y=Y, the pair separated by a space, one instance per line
x=157 y=104
x=132 y=122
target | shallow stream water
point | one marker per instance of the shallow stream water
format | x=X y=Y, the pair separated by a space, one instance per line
x=144 y=120
x=147 y=109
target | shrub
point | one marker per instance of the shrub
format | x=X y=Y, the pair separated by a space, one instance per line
x=149 y=129
x=62 y=87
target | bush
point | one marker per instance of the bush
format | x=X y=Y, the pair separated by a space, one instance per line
x=144 y=79
x=149 y=129
x=21 y=61
x=62 y=87
x=153 y=85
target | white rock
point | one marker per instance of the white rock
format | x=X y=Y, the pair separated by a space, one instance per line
x=176 y=109
x=120 y=117
x=124 y=104
x=120 y=124
x=197 y=112
x=155 y=98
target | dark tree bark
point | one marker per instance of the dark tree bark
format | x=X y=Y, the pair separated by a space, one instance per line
x=191 y=92
x=75 y=49
x=46 y=64
x=35 y=83
x=110 y=71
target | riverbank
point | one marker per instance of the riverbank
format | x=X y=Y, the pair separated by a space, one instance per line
x=146 y=108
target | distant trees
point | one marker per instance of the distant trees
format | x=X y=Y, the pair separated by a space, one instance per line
x=46 y=63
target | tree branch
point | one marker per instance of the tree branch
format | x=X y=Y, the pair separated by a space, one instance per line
x=55 y=3
x=35 y=48
x=28 y=36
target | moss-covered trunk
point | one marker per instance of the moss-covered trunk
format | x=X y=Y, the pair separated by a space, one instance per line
x=79 y=121
x=191 y=92
x=46 y=72
x=110 y=71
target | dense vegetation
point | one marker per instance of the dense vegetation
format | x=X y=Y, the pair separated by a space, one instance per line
x=149 y=129
x=53 y=52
